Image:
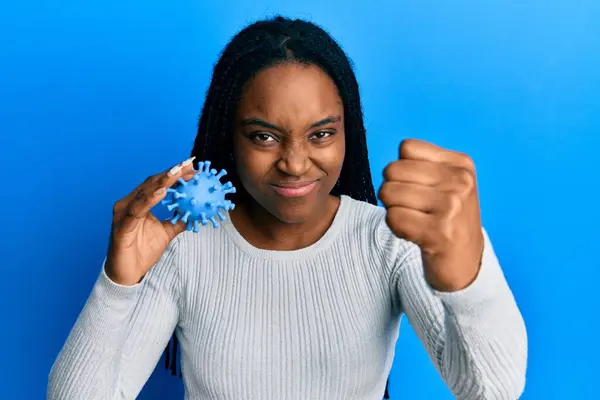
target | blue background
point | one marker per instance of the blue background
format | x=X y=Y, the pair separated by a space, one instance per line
x=96 y=95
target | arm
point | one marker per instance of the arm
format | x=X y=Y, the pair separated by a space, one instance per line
x=476 y=337
x=119 y=336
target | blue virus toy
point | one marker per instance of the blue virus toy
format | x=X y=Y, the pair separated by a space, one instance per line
x=200 y=199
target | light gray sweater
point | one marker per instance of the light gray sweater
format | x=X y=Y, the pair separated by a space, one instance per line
x=316 y=323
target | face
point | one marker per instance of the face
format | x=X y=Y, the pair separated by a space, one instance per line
x=289 y=140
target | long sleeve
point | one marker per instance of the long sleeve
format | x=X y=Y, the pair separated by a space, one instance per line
x=476 y=337
x=119 y=336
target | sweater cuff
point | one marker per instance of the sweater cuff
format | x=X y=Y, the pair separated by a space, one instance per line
x=110 y=300
x=485 y=288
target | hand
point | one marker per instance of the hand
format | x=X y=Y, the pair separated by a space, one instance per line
x=138 y=239
x=431 y=199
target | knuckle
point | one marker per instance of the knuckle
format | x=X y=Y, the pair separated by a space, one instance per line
x=390 y=217
x=390 y=172
x=140 y=195
x=471 y=182
x=462 y=180
x=162 y=181
x=384 y=193
x=454 y=204
x=132 y=211
x=387 y=172
x=467 y=179
x=406 y=147
x=445 y=230
x=467 y=161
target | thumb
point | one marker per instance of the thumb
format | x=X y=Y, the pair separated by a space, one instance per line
x=173 y=230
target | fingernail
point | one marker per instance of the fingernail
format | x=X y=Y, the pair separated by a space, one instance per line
x=175 y=170
x=159 y=192
x=188 y=161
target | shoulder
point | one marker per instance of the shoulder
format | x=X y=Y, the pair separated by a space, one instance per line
x=369 y=221
x=190 y=244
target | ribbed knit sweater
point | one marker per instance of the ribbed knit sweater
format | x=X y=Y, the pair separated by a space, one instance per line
x=315 y=323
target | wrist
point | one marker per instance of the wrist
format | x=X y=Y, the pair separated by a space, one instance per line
x=118 y=277
x=458 y=273
x=453 y=283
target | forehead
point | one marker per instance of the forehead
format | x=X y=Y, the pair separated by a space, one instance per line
x=291 y=93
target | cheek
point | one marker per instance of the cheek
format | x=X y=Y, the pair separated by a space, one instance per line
x=331 y=158
x=252 y=165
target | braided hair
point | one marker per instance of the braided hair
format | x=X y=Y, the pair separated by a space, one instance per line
x=264 y=44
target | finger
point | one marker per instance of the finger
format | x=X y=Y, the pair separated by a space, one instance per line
x=139 y=208
x=173 y=229
x=418 y=197
x=189 y=175
x=123 y=203
x=408 y=223
x=153 y=183
x=417 y=171
x=413 y=149
x=168 y=178
x=443 y=177
x=141 y=205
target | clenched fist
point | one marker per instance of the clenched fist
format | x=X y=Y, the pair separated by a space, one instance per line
x=430 y=195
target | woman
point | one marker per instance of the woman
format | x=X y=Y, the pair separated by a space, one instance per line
x=300 y=293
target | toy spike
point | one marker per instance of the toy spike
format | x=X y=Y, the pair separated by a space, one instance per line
x=221 y=174
x=203 y=219
x=200 y=200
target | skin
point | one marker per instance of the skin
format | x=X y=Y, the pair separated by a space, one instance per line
x=431 y=199
x=289 y=130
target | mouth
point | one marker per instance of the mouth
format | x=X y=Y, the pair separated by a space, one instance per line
x=294 y=189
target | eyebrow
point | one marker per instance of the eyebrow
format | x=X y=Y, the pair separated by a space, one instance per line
x=328 y=120
x=268 y=125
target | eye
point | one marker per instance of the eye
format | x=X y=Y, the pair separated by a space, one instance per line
x=321 y=135
x=261 y=137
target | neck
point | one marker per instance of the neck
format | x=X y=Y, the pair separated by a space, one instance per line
x=265 y=231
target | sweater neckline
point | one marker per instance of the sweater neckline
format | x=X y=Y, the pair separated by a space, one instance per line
x=292 y=255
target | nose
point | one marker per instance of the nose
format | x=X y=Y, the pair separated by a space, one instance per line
x=294 y=160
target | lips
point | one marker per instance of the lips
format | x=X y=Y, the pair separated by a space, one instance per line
x=294 y=189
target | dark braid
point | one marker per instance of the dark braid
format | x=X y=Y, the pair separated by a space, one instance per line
x=267 y=43
x=260 y=45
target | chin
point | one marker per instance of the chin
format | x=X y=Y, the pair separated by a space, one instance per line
x=292 y=211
